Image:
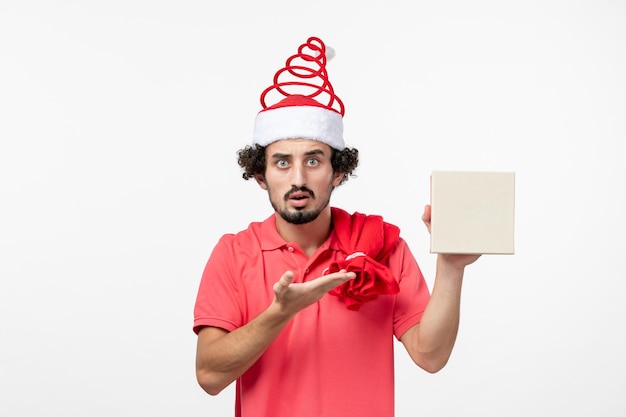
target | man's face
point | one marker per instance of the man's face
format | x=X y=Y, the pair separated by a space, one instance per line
x=299 y=178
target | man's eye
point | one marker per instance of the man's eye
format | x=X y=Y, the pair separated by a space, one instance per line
x=281 y=163
x=312 y=162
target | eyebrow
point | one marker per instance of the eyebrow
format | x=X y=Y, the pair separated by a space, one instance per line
x=287 y=155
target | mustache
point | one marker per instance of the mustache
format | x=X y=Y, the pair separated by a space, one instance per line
x=299 y=189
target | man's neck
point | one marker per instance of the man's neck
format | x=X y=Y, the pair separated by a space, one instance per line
x=308 y=236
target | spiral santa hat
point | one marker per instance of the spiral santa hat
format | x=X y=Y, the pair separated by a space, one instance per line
x=301 y=103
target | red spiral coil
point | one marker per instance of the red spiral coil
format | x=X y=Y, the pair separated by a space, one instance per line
x=308 y=64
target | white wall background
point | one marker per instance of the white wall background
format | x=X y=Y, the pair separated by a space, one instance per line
x=119 y=123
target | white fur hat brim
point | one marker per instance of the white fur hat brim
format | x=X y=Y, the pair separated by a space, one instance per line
x=299 y=122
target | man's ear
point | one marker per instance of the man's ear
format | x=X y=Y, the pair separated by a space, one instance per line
x=338 y=177
x=260 y=179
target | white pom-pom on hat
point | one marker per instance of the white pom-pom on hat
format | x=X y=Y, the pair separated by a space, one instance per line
x=330 y=53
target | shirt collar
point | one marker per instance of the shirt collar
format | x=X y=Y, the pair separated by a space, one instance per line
x=270 y=238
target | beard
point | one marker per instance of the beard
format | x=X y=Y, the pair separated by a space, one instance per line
x=301 y=215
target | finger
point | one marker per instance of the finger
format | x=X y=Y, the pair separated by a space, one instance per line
x=350 y=275
x=285 y=280
x=342 y=274
x=427 y=214
x=330 y=281
x=426 y=217
x=345 y=271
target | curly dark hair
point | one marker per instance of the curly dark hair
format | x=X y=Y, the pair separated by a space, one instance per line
x=252 y=160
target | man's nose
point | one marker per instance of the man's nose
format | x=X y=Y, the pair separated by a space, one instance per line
x=298 y=178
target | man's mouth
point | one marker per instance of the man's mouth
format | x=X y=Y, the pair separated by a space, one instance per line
x=299 y=198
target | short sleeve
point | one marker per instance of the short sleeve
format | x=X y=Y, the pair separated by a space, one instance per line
x=217 y=302
x=414 y=295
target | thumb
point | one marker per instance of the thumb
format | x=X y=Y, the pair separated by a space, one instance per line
x=426 y=217
x=285 y=280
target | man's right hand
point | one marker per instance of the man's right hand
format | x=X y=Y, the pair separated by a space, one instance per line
x=291 y=298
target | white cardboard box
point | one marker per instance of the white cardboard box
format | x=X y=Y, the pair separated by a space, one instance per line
x=472 y=212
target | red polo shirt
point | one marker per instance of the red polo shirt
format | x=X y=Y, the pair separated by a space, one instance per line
x=328 y=361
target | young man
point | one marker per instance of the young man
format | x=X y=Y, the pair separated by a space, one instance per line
x=301 y=309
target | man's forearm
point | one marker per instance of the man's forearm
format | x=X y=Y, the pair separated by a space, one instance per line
x=430 y=343
x=223 y=357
